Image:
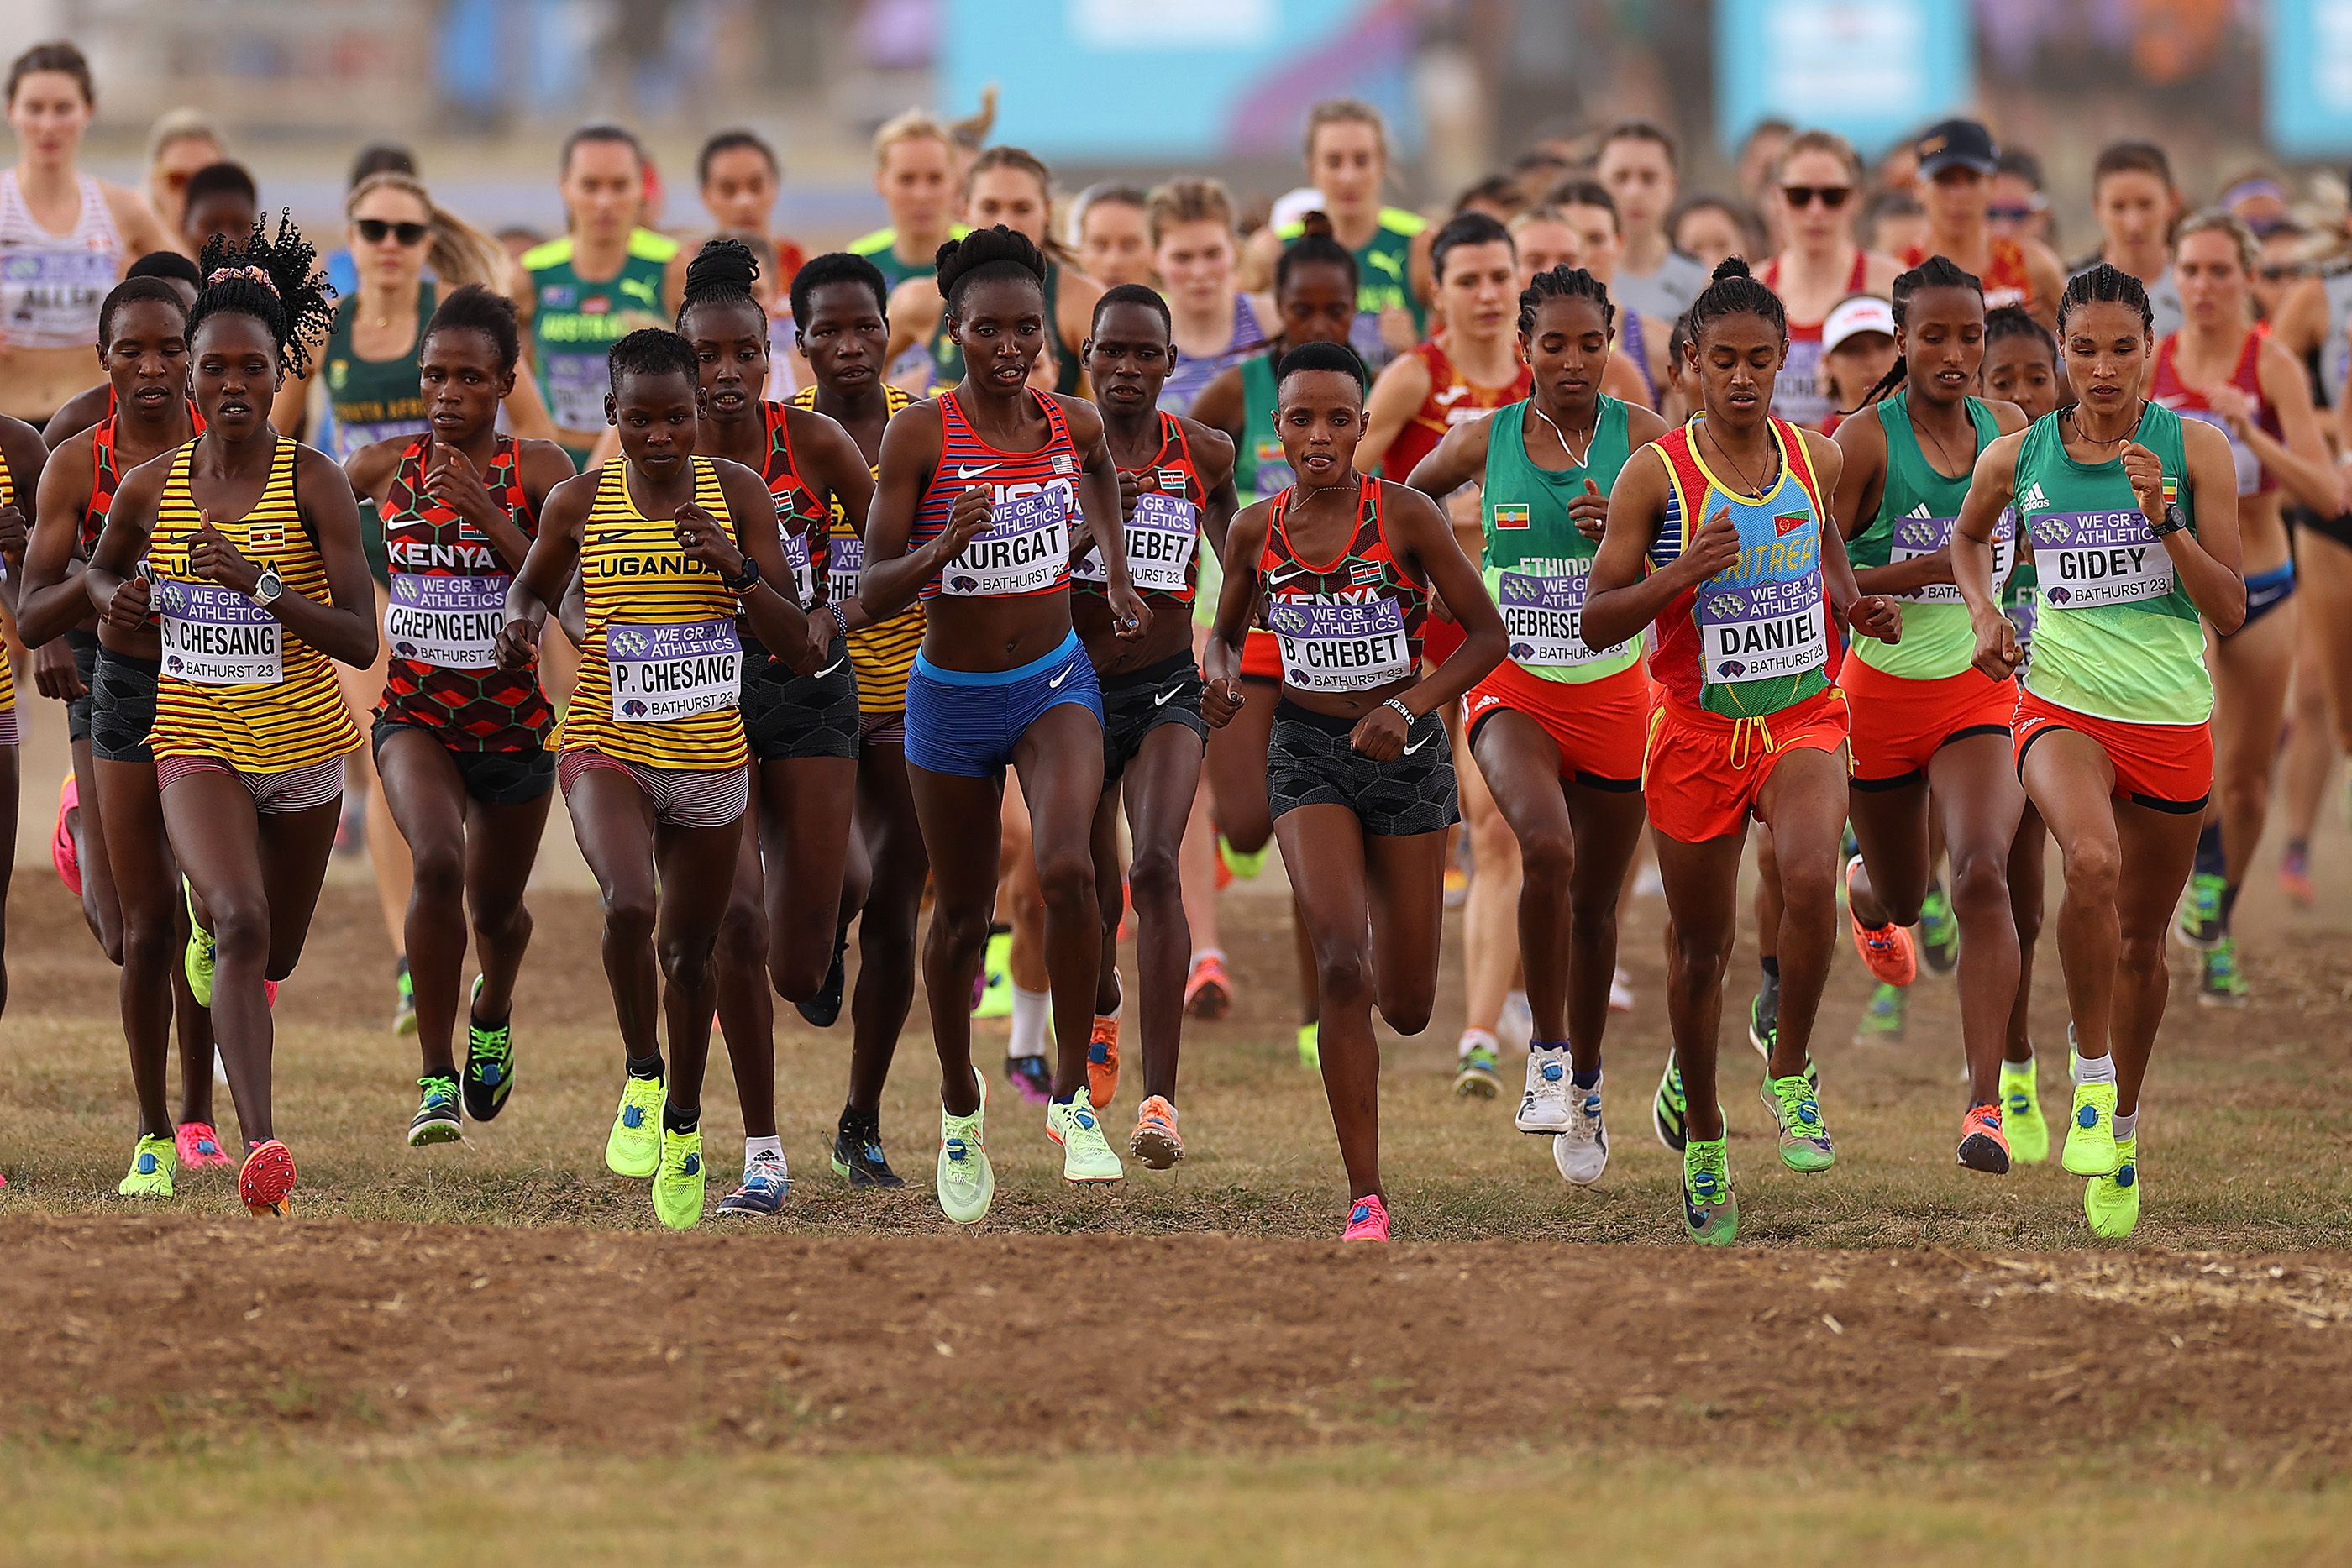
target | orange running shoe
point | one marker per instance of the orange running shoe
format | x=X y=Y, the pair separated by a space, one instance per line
x=1983 y=1145
x=1102 y=1062
x=1887 y=951
x=1208 y=989
x=266 y=1184
x=1156 y=1142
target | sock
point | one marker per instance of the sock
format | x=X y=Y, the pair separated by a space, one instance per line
x=2209 y=850
x=1031 y=1011
x=2127 y=1125
x=2095 y=1069
x=1112 y=1016
x=2229 y=902
x=1474 y=1037
x=1587 y=1081
x=1772 y=962
x=1202 y=955
x=1548 y=1045
x=2019 y=1069
x=646 y=1066
x=769 y=1147
x=676 y=1118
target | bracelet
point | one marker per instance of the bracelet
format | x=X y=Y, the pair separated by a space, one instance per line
x=739 y=586
x=840 y=619
x=1398 y=703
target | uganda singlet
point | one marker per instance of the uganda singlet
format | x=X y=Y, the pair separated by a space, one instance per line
x=1916 y=509
x=2166 y=387
x=1453 y=399
x=1798 y=395
x=1351 y=624
x=883 y=653
x=236 y=685
x=1026 y=547
x=1163 y=536
x=51 y=285
x=1539 y=564
x=662 y=673
x=375 y=399
x=1383 y=278
x=575 y=323
x=9 y=675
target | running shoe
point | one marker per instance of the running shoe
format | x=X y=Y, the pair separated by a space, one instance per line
x=967 y=1186
x=633 y=1147
x=1087 y=1155
x=2295 y=876
x=822 y=1009
x=265 y=1183
x=1102 y=1062
x=765 y=1182
x=1310 y=1047
x=995 y=999
x=1804 y=1136
x=2201 y=911
x=2222 y=983
x=153 y=1162
x=1031 y=1078
x=2091 y=1134
x=1668 y=1110
x=1208 y=990
x=63 y=852
x=1886 y=950
x=403 y=1005
x=1368 y=1220
x=679 y=1181
x=489 y=1062
x=1983 y=1145
x=1155 y=1140
x=1544 y=1103
x=1764 y=1016
x=200 y=1146
x=1225 y=878
x=1621 y=992
x=2020 y=1114
x=1475 y=1073
x=1581 y=1153
x=1710 y=1208
x=1939 y=931
x=857 y=1157
x=2111 y=1203
x=198 y=958
x=1244 y=866
x=436 y=1120
x=1884 y=1016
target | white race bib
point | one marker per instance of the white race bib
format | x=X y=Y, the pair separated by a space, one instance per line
x=796 y=556
x=844 y=560
x=2087 y=559
x=1763 y=630
x=1026 y=549
x=1348 y=647
x=215 y=636
x=1916 y=537
x=1544 y=615
x=673 y=671
x=448 y=621
x=1159 y=539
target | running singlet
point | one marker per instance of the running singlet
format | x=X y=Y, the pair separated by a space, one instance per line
x=800 y=514
x=1163 y=536
x=1754 y=640
x=51 y=285
x=2116 y=636
x=1383 y=278
x=1632 y=348
x=881 y=248
x=884 y=653
x=1453 y=399
x=106 y=477
x=1539 y=564
x=1798 y=395
x=661 y=677
x=447 y=602
x=2006 y=280
x=2164 y=386
x=375 y=399
x=1916 y=509
x=1027 y=550
x=236 y=684
x=1352 y=623
x=1192 y=375
x=575 y=323
x=1261 y=468
x=8 y=672
x=947 y=360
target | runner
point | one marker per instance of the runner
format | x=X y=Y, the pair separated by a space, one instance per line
x=1814 y=194
x=223 y=204
x=1194 y=251
x=181 y=141
x=651 y=754
x=1557 y=728
x=2136 y=203
x=1110 y=234
x=916 y=174
x=22 y=456
x=2112 y=727
x=1638 y=164
x=1740 y=573
x=246 y=543
x=1957 y=160
x=1001 y=678
x=1359 y=775
x=461 y=745
x=737 y=177
x=86 y=407
x=1642 y=340
x=1709 y=229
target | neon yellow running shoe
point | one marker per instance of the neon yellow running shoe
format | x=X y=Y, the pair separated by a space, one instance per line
x=1087 y=1155
x=1310 y=1047
x=1244 y=866
x=2020 y=1114
x=2111 y=1203
x=1710 y=1210
x=967 y=1183
x=198 y=958
x=152 y=1164
x=1804 y=1136
x=2091 y=1132
x=633 y=1147
x=678 y=1183
x=995 y=999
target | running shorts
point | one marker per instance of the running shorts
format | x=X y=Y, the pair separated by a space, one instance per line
x=2265 y=592
x=492 y=778
x=1705 y=773
x=85 y=657
x=1310 y=762
x=968 y=722
x=1139 y=701
x=11 y=733
x=680 y=797
x=123 y=706
x=1899 y=723
x=2164 y=767
x=1262 y=656
x=882 y=729
x=788 y=716
x=280 y=793
x=1440 y=640
x=1598 y=726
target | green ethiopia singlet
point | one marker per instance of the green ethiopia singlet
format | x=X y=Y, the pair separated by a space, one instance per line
x=576 y=320
x=947 y=360
x=2117 y=636
x=1916 y=509
x=1537 y=562
x=1383 y=278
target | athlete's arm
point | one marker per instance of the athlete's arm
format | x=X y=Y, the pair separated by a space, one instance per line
x=1859 y=489
x=26 y=453
x=344 y=627
x=1620 y=380
x=136 y=222
x=372 y=467
x=1621 y=598
x=1991 y=487
x=1237 y=600
x=1401 y=388
x=1099 y=497
x=2207 y=557
x=1220 y=404
x=1870 y=615
x=527 y=414
x=117 y=588
x=832 y=458
x=2300 y=462
x=545 y=464
x=1457 y=460
x=452 y=480
x=78 y=413
x=774 y=612
x=2300 y=325
x=894 y=575
x=1074 y=307
x=1212 y=459
x=547 y=571
x=48 y=599
x=1420 y=524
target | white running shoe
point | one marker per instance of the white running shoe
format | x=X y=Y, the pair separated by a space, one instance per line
x=1621 y=992
x=1581 y=1152
x=1544 y=1108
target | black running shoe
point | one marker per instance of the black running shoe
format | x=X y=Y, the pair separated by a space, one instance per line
x=858 y=1157
x=822 y=1009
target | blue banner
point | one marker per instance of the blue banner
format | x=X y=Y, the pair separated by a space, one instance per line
x=1874 y=72
x=2307 y=71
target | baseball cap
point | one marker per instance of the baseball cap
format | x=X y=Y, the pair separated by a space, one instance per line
x=1956 y=144
x=1851 y=318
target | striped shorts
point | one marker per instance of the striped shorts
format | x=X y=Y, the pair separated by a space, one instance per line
x=681 y=797
x=277 y=794
x=10 y=734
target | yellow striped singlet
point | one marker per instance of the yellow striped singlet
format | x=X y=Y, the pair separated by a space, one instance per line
x=7 y=674
x=236 y=684
x=884 y=653
x=661 y=678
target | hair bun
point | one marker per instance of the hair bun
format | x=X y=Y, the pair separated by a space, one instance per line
x=1731 y=266
x=1318 y=224
x=723 y=260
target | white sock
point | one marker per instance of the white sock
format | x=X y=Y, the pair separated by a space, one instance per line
x=2127 y=1125
x=771 y=1147
x=2018 y=1069
x=1202 y=953
x=1515 y=999
x=1033 y=1011
x=1113 y=1014
x=2094 y=1070
x=1474 y=1037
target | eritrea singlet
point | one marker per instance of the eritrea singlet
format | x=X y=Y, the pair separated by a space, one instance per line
x=2164 y=386
x=1916 y=509
x=1163 y=536
x=2116 y=636
x=1383 y=278
x=448 y=598
x=375 y=399
x=236 y=685
x=881 y=248
x=1798 y=395
x=1453 y=399
x=947 y=358
x=884 y=653
x=661 y=677
x=1193 y=374
x=1538 y=563
x=1351 y=623
x=1026 y=549
x=575 y=323
x=51 y=285
x=1753 y=640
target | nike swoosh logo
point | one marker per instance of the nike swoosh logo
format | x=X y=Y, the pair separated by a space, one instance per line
x=1272 y=577
x=1056 y=684
x=827 y=671
x=1416 y=746
x=1161 y=699
x=964 y=473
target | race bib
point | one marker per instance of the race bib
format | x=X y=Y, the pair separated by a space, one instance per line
x=1026 y=549
x=845 y=562
x=2087 y=559
x=1763 y=630
x=1544 y=616
x=2023 y=611
x=796 y=556
x=51 y=296
x=1352 y=647
x=451 y=623
x=1916 y=537
x=575 y=386
x=215 y=636
x=663 y=672
x=1160 y=540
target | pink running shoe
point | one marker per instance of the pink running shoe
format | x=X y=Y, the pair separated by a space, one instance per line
x=266 y=1183
x=1368 y=1220
x=200 y=1146
x=64 y=853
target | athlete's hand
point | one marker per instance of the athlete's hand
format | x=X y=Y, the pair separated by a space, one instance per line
x=1590 y=512
x=1996 y=654
x=215 y=559
x=54 y=672
x=1130 y=487
x=1379 y=735
x=456 y=484
x=1717 y=549
x=1876 y=616
x=1129 y=615
x=705 y=541
x=517 y=645
x=2234 y=407
x=2146 y=473
x=967 y=520
x=821 y=634
x=12 y=534
x=1220 y=700
x=130 y=606
x=1397 y=332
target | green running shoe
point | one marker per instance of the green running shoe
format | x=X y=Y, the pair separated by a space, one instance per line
x=152 y=1164
x=2091 y=1134
x=1477 y=1074
x=633 y=1147
x=967 y=1183
x=489 y=1062
x=403 y=1005
x=679 y=1180
x=2222 y=985
x=1087 y=1155
x=1764 y=1017
x=1939 y=931
x=1711 y=1209
x=1244 y=866
x=2020 y=1114
x=1310 y=1047
x=198 y=958
x=1667 y=1110
x=2111 y=1203
x=436 y=1120
x=995 y=1000
x=1884 y=1016
x=1804 y=1136
x=2200 y=912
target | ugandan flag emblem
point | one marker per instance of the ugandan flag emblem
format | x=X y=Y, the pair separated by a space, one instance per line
x=1510 y=517
x=266 y=537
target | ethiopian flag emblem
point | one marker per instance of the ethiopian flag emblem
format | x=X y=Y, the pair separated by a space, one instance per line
x=1510 y=517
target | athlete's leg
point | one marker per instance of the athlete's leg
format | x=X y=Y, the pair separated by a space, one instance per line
x=1768 y=911
x=808 y=803
x=1608 y=831
x=1891 y=826
x=1804 y=801
x=9 y=784
x=746 y=1003
x=216 y=836
x=101 y=905
x=1236 y=769
x=147 y=887
x=1490 y=948
x=2310 y=759
x=1323 y=849
x=961 y=818
x=1163 y=782
x=2324 y=578
x=1980 y=802
x=387 y=851
x=1702 y=883
x=2251 y=673
x=886 y=925
x=1405 y=875
x=2025 y=907
x=1518 y=767
x=1110 y=896
x=501 y=847
x=1062 y=780
x=1196 y=864
x=614 y=823
x=1020 y=902
x=419 y=783
x=2071 y=781
x=2158 y=847
x=696 y=867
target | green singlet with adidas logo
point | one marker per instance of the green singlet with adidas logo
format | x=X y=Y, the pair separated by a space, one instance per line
x=576 y=320
x=1916 y=508
x=1538 y=563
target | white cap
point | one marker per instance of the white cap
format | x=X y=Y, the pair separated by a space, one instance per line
x=1855 y=316
x=1292 y=205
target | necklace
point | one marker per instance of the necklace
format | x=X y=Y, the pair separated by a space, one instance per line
x=1942 y=451
x=1591 y=434
x=2075 y=413
x=1753 y=488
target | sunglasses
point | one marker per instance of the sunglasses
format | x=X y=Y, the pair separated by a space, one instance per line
x=373 y=231
x=2279 y=271
x=2012 y=213
x=1831 y=197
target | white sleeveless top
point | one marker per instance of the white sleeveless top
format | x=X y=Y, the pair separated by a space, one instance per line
x=52 y=284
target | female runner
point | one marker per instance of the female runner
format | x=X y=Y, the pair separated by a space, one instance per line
x=672 y=547
x=246 y=542
x=1196 y=253
x=1814 y=191
x=1001 y=678
x=1557 y=728
x=1359 y=773
x=1726 y=544
x=460 y=744
x=1110 y=234
x=2133 y=515
x=1642 y=340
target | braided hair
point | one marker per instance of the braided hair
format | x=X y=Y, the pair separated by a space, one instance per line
x=652 y=351
x=274 y=282
x=721 y=273
x=1320 y=356
x=2105 y=285
x=837 y=266
x=1736 y=292
x=984 y=255
x=2017 y=322
x=1315 y=244
x=134 y=291
x=477 y=308
x=1563 y=282
x=1936 y=272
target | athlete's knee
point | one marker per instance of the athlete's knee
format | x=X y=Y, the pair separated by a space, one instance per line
x=1066 y=878
x=686 y=956
x=437 y=877
x=1696 y=959
x=503 y=922
x=148 y=946
x=1153 y=876
x=2245 y=789
x=1979 y=885
x=1407 y=1004
x=1808 y=889
x=1548 y=857
x=742 y=940
x=1592 y=913
x=1343 y=975
x=240 y=926
x=2094 y=869
x=2140 y=955
x=630 y=914
x=959 y=934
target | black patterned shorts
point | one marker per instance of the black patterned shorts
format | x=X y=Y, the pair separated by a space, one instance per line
x=121 y=706
x=493 y=778
x=1139 y=701
x=84 y=654
x=788 y=716
x=1308 y=762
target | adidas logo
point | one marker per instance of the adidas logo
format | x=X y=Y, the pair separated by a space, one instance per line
x=1919 y=511
x=2034 y=500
